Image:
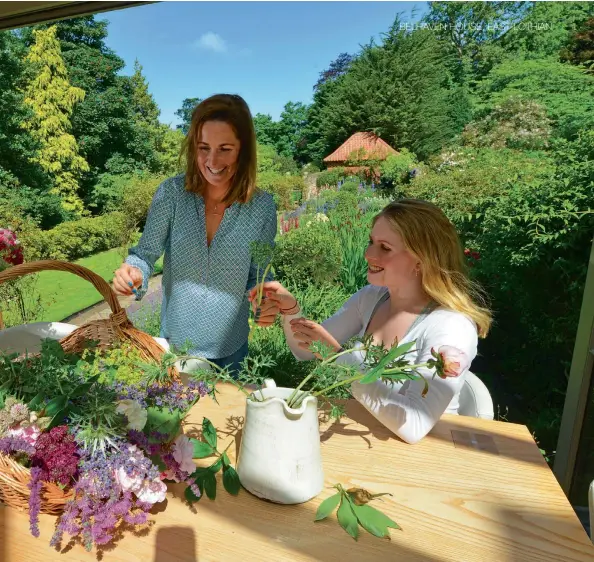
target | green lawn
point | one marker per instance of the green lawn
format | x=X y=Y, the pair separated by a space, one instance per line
x=64 y=294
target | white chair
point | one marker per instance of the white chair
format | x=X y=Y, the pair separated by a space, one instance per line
x=475 y=399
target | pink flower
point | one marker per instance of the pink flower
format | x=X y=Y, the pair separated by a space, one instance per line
x=183 y=453
x=10 y=247
x=29 y=433
x=152 y=491
x=450 y=361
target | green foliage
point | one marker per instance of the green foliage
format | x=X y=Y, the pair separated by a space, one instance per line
x=461 y=181
x=282 y=188
x=331 y=177
x=580 y=48
x=400 y=90
x=395 y=169
x=105 y=123
x=546 y=29
x=205 y=477
x=22 y=180
x=352 y=228
x=308 y=255
x=534 y=244
x=76 y=239
x=52 y=99
x=516 y=123
x=120 y=363
x=564 y=90
x=185 y=114
x=353 y=510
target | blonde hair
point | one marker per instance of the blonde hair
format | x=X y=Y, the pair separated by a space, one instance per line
x=231 y=109
x=431 y=237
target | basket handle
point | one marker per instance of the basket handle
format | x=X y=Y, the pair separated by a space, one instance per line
x=98 y=282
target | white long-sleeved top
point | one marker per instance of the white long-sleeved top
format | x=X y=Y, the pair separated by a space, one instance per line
x=401 y=408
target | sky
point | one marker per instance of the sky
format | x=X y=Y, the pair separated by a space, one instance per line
x=267 y=52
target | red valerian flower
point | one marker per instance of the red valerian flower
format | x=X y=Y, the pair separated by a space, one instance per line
x=11 y=251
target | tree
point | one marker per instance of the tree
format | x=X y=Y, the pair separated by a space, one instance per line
x=52 y=99
x=146 y=110
x=400 y=90
x=580 y=49
x=266 y=129
x=471 y=27
x=104 y=123
x=185 y=113
x=291 y=127
x=546 y=29
x=337 y=68
x=563 y=89
x=23 y=182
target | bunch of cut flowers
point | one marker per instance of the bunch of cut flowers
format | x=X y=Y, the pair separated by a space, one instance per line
x=106 y=432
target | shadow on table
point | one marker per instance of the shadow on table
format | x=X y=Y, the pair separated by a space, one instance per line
x=175 y=543
x=545 y=536
x=458 y=434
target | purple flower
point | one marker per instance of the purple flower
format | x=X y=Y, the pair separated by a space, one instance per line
x=35 y=485
x=14 y=444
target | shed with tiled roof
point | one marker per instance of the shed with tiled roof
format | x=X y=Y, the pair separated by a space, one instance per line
x=358 y=147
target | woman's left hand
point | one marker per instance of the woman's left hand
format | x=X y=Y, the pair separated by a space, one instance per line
x=306 y=332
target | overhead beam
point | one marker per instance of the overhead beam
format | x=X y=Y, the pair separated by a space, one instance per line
x=21 y=14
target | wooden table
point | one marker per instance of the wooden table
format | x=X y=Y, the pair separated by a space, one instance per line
x=472 y=491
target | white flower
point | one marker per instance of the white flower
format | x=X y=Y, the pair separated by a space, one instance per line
x=134 y=412
x=152 y=491
x=128 y=482
x=183 y=453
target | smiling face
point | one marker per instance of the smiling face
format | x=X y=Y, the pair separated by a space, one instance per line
x=390 y=264
x=218 y=153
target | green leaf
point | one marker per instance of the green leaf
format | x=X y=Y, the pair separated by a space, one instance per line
x=226 y=461
x=347 y=518
x=58 y=417
x=81 y=390
x=216 y=466
x=201 y=449
x=55 y=405
x=210 y=485
x=35 y=401
x=231 y=480
x=328 y=506
x=374 y=521
x=163 y=421
x=209 y=433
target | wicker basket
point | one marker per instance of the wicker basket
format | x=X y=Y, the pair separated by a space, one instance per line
x=14 y=478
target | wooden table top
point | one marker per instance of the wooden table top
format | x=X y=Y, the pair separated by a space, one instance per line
x=472 y=491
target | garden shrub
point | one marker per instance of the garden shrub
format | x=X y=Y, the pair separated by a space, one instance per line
x=307 y=255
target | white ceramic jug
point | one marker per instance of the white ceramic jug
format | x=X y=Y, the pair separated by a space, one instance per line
x=279 y=457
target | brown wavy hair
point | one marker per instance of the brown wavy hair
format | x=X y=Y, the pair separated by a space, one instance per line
x=231 y=109
x=430 y=236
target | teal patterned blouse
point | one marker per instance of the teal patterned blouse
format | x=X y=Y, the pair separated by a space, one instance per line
x=204 y=288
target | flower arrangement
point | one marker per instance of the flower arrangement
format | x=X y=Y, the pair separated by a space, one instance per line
x=108 y=444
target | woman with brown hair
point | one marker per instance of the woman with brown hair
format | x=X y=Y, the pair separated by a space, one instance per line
x=204 y=221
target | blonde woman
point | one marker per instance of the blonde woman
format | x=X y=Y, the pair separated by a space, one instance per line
x=204 y=221
x=418 y=291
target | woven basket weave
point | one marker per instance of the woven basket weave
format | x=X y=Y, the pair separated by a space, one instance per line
x=14 y=478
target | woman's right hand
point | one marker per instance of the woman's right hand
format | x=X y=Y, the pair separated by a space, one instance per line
x=275 y=298
x=127 y=277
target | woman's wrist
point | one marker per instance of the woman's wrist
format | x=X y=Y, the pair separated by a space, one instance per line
x=291 y=310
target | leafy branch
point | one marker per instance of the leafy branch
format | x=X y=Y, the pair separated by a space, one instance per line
x=205 y=477
x=353 y=510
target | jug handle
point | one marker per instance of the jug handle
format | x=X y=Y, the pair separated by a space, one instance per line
x=269 y=383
